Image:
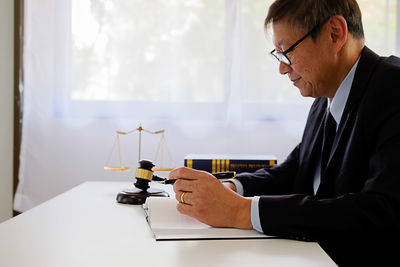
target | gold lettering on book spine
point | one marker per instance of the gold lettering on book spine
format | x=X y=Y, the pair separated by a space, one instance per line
x=189 y=163
x=252 y=166
x=214 y=165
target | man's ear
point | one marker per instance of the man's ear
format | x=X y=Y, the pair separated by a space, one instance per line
x=338 y=32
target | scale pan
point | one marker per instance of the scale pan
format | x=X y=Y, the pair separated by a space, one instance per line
x=116 y=169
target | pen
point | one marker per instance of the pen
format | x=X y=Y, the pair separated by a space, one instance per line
x=218 y=175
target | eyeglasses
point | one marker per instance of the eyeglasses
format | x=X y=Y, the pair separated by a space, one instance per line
x=281 y=56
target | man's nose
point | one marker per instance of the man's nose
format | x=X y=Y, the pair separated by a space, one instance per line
x=284 y=68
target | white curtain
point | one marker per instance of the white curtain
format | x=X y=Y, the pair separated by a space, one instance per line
x=198 y=69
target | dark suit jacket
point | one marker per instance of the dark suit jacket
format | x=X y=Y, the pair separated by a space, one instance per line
x=356 y=210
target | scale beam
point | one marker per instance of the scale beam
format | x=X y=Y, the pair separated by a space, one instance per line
x=121 y=155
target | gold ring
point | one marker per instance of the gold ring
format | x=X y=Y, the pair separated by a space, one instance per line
x=182 y=198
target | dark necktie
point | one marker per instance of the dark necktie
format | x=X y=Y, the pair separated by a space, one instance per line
x=329 y=136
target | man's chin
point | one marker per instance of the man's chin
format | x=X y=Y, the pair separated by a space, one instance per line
x=304 y=92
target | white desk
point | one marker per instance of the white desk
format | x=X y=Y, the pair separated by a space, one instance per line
x=86 y=227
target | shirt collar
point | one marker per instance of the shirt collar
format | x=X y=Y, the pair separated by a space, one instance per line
x=338 y=102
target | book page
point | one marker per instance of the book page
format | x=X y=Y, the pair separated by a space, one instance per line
x=163 y=214
x=168 y=224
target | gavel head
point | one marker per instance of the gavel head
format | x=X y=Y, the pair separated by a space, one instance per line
x=144 y=174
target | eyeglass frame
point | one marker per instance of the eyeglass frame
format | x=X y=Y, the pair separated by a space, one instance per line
x=276 y=54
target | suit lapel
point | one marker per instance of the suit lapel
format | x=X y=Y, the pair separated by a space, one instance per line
x=366 y=66
x=311 y=143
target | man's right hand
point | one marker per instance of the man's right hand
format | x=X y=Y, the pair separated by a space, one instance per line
x=230 y=185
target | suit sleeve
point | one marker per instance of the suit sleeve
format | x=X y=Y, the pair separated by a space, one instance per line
x=271 y=181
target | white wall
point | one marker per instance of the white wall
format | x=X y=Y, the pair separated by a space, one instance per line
x=6 y=107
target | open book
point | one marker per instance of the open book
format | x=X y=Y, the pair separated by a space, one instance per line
x=168 y=224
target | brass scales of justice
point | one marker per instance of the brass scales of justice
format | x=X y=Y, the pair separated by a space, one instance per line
x=140 y=190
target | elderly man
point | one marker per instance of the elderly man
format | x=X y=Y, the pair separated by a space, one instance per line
x=341 y=185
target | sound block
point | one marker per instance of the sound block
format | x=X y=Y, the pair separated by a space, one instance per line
x=135 y=196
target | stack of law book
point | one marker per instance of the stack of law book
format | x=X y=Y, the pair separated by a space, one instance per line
x=221 y=163
x=168 y=224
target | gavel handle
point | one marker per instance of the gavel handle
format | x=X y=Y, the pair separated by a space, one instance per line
x=158 y=178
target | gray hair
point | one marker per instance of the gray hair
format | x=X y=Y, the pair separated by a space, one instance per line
x=304 y=15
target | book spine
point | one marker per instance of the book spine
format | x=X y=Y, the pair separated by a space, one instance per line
x=221 y=165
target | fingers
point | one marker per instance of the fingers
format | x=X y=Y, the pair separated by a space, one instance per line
x=184 y=209
x=186 y=173
x=184 y=185
x=189 y=180
x=184 y=198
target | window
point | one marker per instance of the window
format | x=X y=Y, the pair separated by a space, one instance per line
x=148 y=51
x=189 y=59
x=379 y=19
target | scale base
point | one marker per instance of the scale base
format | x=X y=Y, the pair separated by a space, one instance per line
x=135 y=196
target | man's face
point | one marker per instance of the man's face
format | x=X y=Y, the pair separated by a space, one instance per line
x=309 y=70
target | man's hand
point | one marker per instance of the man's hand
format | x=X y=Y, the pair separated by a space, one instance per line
x=209 y=201
x=231 y=186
